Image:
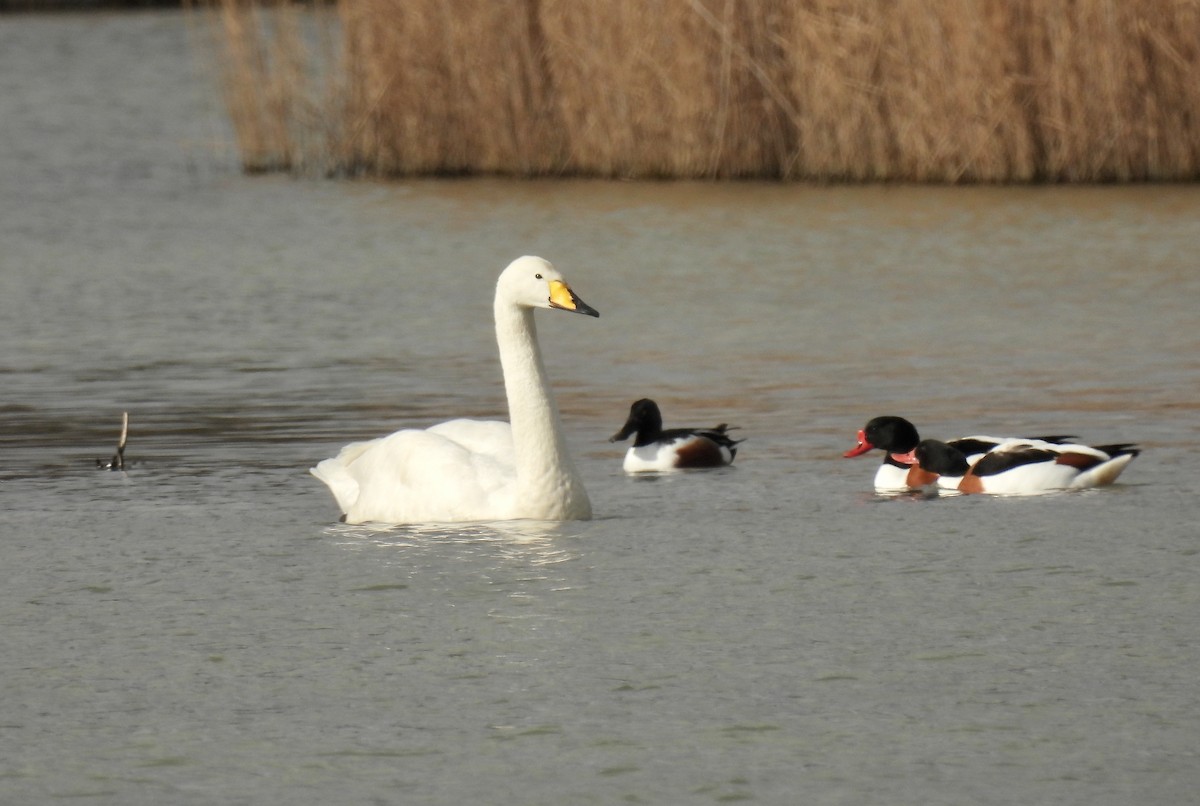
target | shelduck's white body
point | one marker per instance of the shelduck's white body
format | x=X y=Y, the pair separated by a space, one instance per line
x=680 y=453
x=1032 y=467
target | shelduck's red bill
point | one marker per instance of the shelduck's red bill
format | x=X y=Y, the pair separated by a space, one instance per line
x=862 y=447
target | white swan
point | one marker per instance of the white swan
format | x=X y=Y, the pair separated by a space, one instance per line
x=475 y=470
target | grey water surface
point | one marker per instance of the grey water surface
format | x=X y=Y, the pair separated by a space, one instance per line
x=200 y=629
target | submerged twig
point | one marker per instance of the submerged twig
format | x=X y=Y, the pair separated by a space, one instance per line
x=118 y=461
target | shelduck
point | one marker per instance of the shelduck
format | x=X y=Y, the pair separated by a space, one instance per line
x=901 y=471
x=1027 y=466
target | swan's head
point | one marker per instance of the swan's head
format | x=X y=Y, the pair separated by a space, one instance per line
x=532 y=282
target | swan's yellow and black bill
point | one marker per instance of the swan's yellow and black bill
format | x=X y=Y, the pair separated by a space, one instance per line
x=561 y=296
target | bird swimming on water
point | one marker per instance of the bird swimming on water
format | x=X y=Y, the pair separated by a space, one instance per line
x=476 y=470
x=672 y=449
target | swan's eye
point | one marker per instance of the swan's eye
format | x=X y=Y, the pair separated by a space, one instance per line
x=538 y=276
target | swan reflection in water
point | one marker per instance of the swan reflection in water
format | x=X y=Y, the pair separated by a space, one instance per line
x=530 y=542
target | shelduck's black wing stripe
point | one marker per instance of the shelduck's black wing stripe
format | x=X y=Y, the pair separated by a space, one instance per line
x=998 y=462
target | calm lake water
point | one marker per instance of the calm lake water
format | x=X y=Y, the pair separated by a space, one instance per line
x=201 y=630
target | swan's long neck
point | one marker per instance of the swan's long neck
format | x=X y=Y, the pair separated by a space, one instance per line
x=548 y=485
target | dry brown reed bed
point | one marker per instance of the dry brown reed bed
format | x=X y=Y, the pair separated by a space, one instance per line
x=856 y=90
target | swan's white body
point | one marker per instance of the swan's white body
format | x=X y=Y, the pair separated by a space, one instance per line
x=477 y=470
